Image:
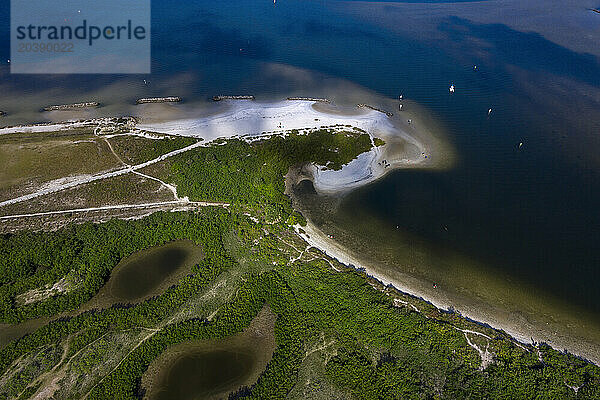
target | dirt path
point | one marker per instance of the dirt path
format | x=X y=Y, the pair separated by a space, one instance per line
x=93 y=178
x=172 y=188
x=114 y=153
x=123 y=206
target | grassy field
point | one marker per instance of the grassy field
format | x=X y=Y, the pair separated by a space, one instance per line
x=30 y=161
x=136 y=150
x=125 y=189
x=338 y=332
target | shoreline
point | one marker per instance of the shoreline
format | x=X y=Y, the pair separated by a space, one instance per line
x=67 y=125
x=254 y=120
x=319 y=240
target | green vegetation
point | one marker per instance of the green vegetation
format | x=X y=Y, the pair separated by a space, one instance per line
x=123 y=189
x=31 y=160
x=378 y=142
x=226 y=364
x=250 y=174
x=31 y=260
x=136 y=150
x=339 y=333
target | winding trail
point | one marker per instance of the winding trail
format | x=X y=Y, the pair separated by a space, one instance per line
x=93 y=178
x=170 y=187
x=113 y=151
x=165 y=184
x=250 y=122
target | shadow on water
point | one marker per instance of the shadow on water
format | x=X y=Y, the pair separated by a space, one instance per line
x=525 y=234
x=431 y=252
x=528 y=50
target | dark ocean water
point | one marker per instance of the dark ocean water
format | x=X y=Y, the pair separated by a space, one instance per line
x=529 y=213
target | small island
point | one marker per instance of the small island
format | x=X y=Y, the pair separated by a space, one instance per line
x=148 y=100
x=75 y=106
x=239 y=97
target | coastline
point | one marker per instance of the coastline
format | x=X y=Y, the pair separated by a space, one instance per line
x=243 y=119
x=412 y=286
x=406 y=146
x=253 y=121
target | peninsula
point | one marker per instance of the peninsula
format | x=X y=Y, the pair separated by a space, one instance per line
x=231 y=271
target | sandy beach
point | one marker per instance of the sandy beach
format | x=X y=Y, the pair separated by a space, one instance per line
x=251 y=120
x=41 y=128
x=523 y=332
x=407 y=146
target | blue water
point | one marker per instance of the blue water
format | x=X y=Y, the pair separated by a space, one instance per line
x=532 y=214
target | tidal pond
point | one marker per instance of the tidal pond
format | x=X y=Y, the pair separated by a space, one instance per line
x=143 y=274
x=148 y=271
x=205 y=373
x=211 y=369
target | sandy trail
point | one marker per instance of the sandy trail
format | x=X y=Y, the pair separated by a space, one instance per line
x=252 y=120
x=172 y=188
x=175 y=203
x=77 y=181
